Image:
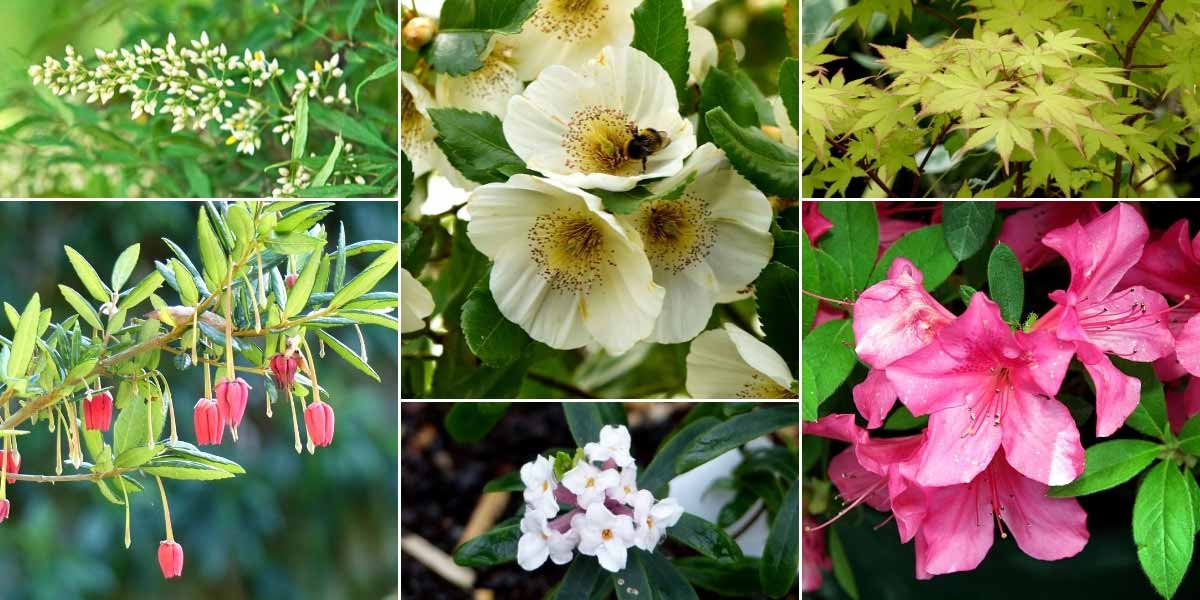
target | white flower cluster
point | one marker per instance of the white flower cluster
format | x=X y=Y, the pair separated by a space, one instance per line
x=606 y=512
x=195 y=84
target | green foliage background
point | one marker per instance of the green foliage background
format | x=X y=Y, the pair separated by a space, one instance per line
x=320 y=526
x=116 y=157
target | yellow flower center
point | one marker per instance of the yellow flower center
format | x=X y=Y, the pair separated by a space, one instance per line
x=676 y=233
x=761 y=386
x=607 y=534
x=570 y=20
x=595 y=142
x=570 y=249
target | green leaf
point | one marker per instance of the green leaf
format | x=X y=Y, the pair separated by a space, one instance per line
x=348 y=355
x=497 y=16
x=660 y=30
x=496 y=546
x=406 y=181
x=585 y=419
x=124 y=266
x=781 y=555
x=841 y=565
x=1164 y=527
x=581 y=578
x=831 y=346
x=854 y=239
x=298 y=296
x=494 y=339
x=474 y=143
x=142 y=290
x=302 y=217
x=1150 y=415
x=662 y=467
x=772 y=167
x=215 y=262
x=457 y=53
x=135 y=457
x=356 y=129
x=331 y=162
x=734 y=433
x=379 y=73
x=184 y=469
x=927 y=250
x=776 y=296
x=300 y=139
x=504 y=483
x=721 y=90
x=131 y=427
x=1189 y=436
x=787 y=247
x=469 y=422
x=705 y=538
x=353 y=16
x=81 y=306
x=1109 y=464
x=631 y=583
x=738 y=579
x=967 y=226
x=87 y=274
x=186 y=451
x=789 y=90
x=1006 y=282
x=24 y=339
x=668 y=581
x=188 y=294
x=366 y=280
x=341 y=190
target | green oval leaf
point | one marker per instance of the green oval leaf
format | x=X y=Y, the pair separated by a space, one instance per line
x=705 y=538
x=474 y=143
x=926 y=249
x=769 y=165
x=781 y=555
x=142 y=290
x=660 y=30
x=87 y=274
x=366 y=280
x=123 y=268
x=496 y=546
x=25 y=339
x=497 y=341
x=832 y=347
x=662 y=468
x=967 y=226
x=1109 y=464
x=854 y=239
x=184 y=469
x=81 y=306
x=734 y=433
x=1006 y=282
x=1164 y=527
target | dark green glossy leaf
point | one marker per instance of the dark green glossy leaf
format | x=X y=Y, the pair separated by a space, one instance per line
x=581 y=578
x=474 y=143
x=585 y=419
x=491 y=337
x=776 y=295
x=705 y=538
x=967 y=225
x=854 y=239
x=769 y=165
x=735 y=432
x=926 y=249
x=662 y=467
x=1006 y=282
x=738 y=579
x=496 y=546
x=469 y=422
x=781 y=556
x=668 y=581
x=1150 y=415
x=660 y=30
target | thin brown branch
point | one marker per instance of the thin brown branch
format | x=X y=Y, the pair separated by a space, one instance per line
x=921 y=167
x=560 y=385
x=862 y=164
x=1126 y=61
x=938 y=15
x=1138 y=186
x=1021 y=179
x=1156 y=66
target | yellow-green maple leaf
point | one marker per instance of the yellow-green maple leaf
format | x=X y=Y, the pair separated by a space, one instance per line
x=1014 y=127
x=967 y=88
x=1057 y=110
x=1066 y=44
x=813 y=56
x=1023 y=17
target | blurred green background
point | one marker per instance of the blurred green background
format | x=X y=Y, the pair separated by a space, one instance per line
x=319 y=526
x=60 y=147
x=756 y=28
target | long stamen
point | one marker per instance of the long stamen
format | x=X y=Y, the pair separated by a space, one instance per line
x=827 y=299
x=849 y=507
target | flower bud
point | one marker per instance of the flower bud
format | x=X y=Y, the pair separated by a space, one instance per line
x=4 y=508
x=772 y=132
x=170 y=558
x=210 y=426
x=318 y=420
x=97 y=411
x=418 y=32
x=231 y=398
x=290 y=280
x=284 y=370
x=13 y=460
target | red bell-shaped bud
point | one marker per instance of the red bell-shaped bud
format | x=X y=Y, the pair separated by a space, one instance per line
x=231 y=398
x=210 y=426
x=13 y=466
x=4 y=508
x=283 y=368
x=170 y=558
x=290 y=280
x=97 y=411
x=318 y=419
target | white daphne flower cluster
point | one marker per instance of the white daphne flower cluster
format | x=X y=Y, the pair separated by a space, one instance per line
x=196 y=84
x=606 y=513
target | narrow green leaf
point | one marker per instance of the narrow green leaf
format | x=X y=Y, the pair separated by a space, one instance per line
x=662 y=468
x=668 y=581
x=81 y=306
x=366 y=280
x=1006 y=282
x=738 y=579
x=769 y=165
x=789 y=90
x=497 y=546
x=355 y=129
x=215 y=263
x=967 y=225
x=705 y=537
x=1150 y=415
x=347 y=354
x=186 y=451
x=24 y=339
x=781 y=555
x=1109 y=464
x=330 y=163
x=184 y=470
x=142 y=290
x=87 y=274
x=300 y=138
x=734 y=433
x=660 y=30
x=1189 y=436
x=353 y=16
x=124 y=266
x=379 y=73
x=585 y=419
x=632 y=583
x=1164 y=527
x=298 y=295
x=135 y=457
x=926 y=249
x=188 y=294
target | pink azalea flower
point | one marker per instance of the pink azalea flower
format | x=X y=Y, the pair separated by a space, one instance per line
x=891 y=230
x=1170 y=264
x=984 y=386
x=1183 y=404
x=815 y=223
x=1130 y=323
x=892 y=319
x=813 y=558
x=1023 y=230
x=958 y=532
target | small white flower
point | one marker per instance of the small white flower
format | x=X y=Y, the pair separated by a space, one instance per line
x=589 y=484
x=652 y=519
x=539 y=541
x=730 y=363
x=538 y=477
x=418 y=302
x=614 y=443
x=605 y=536
x=626 y=489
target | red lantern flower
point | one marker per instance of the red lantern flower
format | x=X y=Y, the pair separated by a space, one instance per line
x=4 y=508
x=97 y=411
x=318 y=419
x=170 y=558
x=231 y=398
x=210 y=426
x=283 y=368
x=13 y=460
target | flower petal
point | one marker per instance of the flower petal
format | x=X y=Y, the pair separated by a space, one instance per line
x=957 y=534
x=1117 y=394
x=1101 y=252
x=957 y=447
x=1041 y=439
x=874 y=397
x=1044 y=528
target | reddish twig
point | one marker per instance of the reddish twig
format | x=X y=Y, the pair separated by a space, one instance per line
x=921 y=167
x=1125 y=64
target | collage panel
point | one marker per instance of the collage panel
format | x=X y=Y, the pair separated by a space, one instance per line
x=198 y=399
x=577 y=500
x=1000 y=399
x=199 y=99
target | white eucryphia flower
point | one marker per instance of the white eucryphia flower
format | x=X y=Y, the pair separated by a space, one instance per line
x=705 y=245
x=416 y=303
x=626 y=488
x=702 y=47
x=565 y=271
x=416 y=129
x=652 y=519
x=570 y=33
x=614 y=443
x=589 y=484
x=604 y=535
x=787 y=134
x=730 y=363
x=539 y=541
x=486 y=89
x=538 y=477
x=574 y=126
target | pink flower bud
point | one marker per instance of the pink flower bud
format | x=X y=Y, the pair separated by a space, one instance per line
x=290 y=280
x=283 y=368
x=231 y=398
x=318 y=419
x=97 y=411
x=4 y=508
x=210 y=426
x=170 y=558
x=13 y=458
